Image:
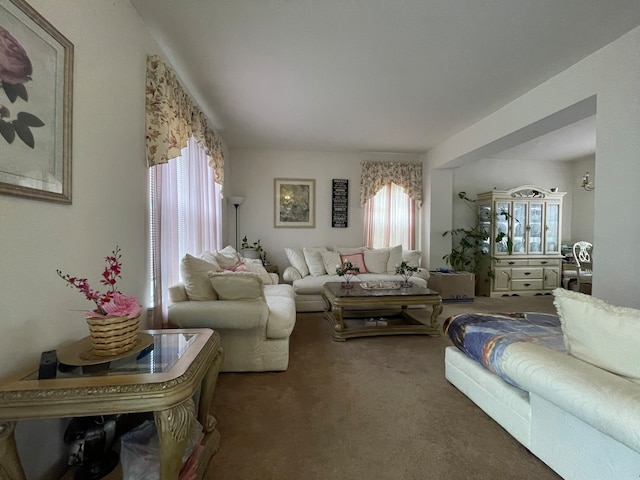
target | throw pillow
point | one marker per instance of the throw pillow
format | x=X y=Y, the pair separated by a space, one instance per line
x=412 y=257
x=194 y=272
x=211 y=258
x=255 y=265
x=395 y=258
x=313 y=258
x=348 y=250
x=297 y=261
x=227 y=257
x=599 y=333
x=376 y=260
x=356 y=259
x=331 y=261
x=237 y=285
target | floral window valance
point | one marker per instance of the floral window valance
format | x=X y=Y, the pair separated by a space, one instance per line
x=172 y=117
x=376 y=175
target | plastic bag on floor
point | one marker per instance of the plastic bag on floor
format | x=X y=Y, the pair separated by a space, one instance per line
x=140 y=450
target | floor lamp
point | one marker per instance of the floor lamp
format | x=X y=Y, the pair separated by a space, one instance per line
x=236 y=201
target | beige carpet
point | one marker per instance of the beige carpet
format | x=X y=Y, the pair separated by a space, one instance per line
x=367 y=408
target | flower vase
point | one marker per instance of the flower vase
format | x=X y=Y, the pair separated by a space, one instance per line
x=113 y=335
x=405 y=280
x=347 y=281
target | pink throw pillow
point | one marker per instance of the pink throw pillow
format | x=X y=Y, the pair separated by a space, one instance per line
x=238 y=267
x=356 y=259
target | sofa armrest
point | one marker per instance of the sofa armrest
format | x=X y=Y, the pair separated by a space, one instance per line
x=220 y=314
x=423 y=273
x=177 y=293
x=291 y=274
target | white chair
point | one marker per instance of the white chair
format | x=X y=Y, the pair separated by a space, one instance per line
x=582 y=255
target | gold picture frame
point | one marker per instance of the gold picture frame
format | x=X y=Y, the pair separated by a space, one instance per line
x=295 y=203
x=35 y=106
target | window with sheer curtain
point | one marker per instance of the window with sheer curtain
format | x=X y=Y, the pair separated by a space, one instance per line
x=390 y=218
x=186 y=217
x=391 y=194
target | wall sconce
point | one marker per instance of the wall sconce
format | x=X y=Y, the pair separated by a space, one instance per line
x=586 y=183
x=236 y=202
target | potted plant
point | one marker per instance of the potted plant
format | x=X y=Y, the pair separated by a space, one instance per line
x=471 y=251
x=252 y=250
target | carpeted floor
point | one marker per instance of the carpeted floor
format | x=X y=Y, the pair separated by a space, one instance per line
x=367 y=408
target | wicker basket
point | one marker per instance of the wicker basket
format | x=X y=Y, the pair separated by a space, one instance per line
x=113 y=335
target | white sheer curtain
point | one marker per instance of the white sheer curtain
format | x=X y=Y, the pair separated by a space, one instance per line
x=390 y=218
x=186 y=217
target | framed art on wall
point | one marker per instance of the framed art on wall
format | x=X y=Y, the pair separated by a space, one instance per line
x=295 y=203
x=36 y=70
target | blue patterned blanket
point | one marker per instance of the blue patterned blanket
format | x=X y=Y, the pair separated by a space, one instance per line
x=485 y=336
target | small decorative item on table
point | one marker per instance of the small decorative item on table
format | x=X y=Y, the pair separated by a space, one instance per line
x=348 y=271
x=113 y=324
x=405 y=271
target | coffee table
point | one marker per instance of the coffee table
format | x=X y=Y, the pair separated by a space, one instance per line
x=343 y=304
x=162 y=380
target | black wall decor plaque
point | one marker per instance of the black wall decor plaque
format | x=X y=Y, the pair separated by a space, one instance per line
x=340 y=203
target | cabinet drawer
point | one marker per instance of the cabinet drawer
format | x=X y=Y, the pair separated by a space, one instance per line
x=505 y=262
x=524 y=273
x=534 y=284
x=544 y=262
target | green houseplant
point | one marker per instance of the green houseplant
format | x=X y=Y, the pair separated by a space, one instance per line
x=252 y=250
x=471 y=251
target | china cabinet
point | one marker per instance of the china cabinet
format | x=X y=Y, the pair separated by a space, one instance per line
x=524 y=228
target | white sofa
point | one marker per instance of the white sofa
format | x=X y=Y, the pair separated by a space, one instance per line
x=253 y=314
x=311 y=267
x=580 y=418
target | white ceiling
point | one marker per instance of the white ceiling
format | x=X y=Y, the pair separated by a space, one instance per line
x=374 y=75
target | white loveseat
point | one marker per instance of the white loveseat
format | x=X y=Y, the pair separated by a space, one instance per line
x=237 y=298
x=311 y=267
x=579 y=412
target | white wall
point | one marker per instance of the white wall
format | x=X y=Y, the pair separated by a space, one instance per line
x=109 y=202
x=612 y=75
x=253 y=177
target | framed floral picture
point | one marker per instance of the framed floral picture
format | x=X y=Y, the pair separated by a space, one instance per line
x=36 y=69
x=295 y=203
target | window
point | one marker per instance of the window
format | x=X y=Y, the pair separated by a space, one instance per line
x=185 y=217
x=390 y=218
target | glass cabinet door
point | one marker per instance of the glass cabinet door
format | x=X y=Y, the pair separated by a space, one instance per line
x=503 y=230
x=484 y=214
x=519 y=227
x=552 y=227
x=535 y=228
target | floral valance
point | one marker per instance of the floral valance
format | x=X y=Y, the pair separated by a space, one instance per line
x=172 y=117
x=376 y=175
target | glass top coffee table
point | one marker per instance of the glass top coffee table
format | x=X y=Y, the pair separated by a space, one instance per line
x=356 y=311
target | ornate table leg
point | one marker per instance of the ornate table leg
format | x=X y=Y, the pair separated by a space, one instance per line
x=10 y=466
x=206 y=394
x=174 y=427
x=437 y=310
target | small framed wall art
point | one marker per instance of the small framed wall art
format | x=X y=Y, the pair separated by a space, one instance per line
x=35 y=105
x=340 y=203
x=295 y=203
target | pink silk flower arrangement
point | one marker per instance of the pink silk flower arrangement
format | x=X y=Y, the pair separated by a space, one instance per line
x=112 y=302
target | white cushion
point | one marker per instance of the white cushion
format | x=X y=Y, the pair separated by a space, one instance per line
x=395 y=258
x=255 y=265
x=237 y=285
x=297 y=261
x=412 y=257
x=211 y=258
x=331 y=261
x=195 y=273
x=313 y=258
x=599 y=333
x=348 y=250
x=228 y=257
x=376 y=260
